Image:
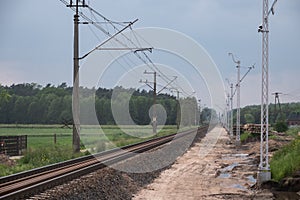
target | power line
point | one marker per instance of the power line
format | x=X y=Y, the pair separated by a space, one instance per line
x=132 y=49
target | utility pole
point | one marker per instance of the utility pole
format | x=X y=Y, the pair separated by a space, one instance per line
x=196 y=111
x=238 y=111
x=276 y=94
x=238 y=85
x=154 y=114
x=178 y=115
x=75 y=96
x=238 y=105
x=228 y=112
x=231 y=110
x=225 y=115
x=154 y=117
x=199 y=108
x=264 y=173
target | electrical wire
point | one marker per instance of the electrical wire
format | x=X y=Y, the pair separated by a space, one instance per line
x=152 y=66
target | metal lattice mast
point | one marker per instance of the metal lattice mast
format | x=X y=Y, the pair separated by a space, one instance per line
x=264 y=166
x=264 y=147
x=231 y=110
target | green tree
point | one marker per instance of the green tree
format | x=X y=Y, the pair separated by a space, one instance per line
x=249 y=118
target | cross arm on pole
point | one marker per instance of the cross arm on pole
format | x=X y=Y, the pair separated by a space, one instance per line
x=249 y=69
x=147 y=83
x=107 y=40
x=175 y=77
x=272 y=8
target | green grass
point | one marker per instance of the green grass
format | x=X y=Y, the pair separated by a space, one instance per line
x=36 y=134
x=34 y=158
x=244 y=136
x=111 y=138
x=93 y=133
x=293 y=131
x=286 y=160
x=41 y=149
x=247 y=135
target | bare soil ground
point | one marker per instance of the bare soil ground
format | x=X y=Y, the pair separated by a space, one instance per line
x=226 y=172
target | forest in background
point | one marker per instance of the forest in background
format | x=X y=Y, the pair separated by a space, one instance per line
x=31 y=103
x=251 y=114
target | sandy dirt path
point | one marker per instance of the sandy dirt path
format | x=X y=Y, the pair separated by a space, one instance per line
x=212 y=169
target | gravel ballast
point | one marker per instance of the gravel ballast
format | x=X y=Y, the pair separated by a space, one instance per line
x=110 y=183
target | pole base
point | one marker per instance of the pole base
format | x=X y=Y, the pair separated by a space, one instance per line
x=238 y=143
x=263 y=176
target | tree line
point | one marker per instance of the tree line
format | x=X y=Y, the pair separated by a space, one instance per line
x=251 y=114
x=31 y=103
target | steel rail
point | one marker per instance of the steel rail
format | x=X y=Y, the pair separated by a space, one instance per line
x=36 y=180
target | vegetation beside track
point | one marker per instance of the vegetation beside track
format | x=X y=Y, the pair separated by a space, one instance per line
x=245 y=136
x=42 y=151
x=42 y=156
x=286 y=161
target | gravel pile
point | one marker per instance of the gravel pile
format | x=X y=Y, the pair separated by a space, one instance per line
x=112 y=183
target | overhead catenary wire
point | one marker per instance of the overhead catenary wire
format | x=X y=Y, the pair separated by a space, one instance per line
x=165 y=78
x=107 y=33
x=113 y=24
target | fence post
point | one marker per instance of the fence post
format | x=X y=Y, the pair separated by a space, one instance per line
x=54 y=138
x=18 y=145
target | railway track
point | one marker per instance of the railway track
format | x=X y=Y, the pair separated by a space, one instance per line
x=36 y=180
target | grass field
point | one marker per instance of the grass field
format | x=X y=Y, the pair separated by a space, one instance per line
x=41 y=149
x=43 y=135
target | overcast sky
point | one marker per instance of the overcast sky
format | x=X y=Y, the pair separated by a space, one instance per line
x=36 y=38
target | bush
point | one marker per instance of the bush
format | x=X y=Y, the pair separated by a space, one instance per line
x=247 y=135
x=281 y=127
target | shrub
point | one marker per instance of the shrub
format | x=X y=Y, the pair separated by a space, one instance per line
x=281 y=126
